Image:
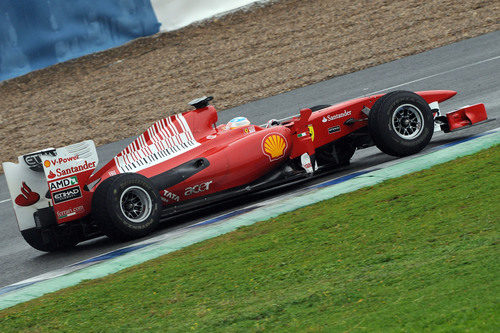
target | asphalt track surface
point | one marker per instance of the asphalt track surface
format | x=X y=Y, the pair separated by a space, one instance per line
x=471 y=67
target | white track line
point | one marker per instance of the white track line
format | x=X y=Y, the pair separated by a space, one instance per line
x=7 y=200
x=434 y=75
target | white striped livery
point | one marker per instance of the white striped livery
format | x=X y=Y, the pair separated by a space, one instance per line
x=165 y=139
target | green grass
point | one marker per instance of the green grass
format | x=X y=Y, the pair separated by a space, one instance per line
x=417 y=253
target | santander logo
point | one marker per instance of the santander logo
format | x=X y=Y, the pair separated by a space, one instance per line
x=74 y=169
x=66 y=166
x=27 y=196
x=331 y=117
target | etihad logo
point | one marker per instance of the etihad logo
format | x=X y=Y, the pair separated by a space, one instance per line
x=66 y=195
x=274 y=146
x=331 y=117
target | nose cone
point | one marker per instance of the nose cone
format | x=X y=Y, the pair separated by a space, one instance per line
x=436 y=95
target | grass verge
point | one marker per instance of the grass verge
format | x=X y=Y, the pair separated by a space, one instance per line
x=414 y=253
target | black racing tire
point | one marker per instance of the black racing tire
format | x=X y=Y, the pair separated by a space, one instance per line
x=401 y=123
x=126 y=206
x=48 y=240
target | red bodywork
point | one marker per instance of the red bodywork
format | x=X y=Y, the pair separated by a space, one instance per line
x=466 y=116
x=60 y=199
x=236 y=157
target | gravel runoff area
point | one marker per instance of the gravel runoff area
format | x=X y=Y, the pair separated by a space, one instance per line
x=244 y=56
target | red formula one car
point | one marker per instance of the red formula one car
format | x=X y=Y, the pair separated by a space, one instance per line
x=186 y=160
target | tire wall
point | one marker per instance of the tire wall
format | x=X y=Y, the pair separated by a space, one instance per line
x=38 y=33
x=175 y=14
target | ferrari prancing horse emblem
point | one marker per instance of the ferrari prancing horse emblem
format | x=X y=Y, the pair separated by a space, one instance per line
x=311 y=132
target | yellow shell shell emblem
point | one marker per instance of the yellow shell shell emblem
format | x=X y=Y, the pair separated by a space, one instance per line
x=274 y=146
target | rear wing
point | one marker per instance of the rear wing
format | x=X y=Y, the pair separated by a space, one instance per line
x=50 y=184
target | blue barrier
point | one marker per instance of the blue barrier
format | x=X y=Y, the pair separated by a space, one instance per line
x=38 y=33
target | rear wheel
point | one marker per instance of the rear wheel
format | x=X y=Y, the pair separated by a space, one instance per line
x=401 y=123
x=126 y=206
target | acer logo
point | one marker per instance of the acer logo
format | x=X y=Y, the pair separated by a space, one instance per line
x=62 y=183
x=336 y=116
x=197 y=188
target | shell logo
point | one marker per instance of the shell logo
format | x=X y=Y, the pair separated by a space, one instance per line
x=46 y=163
x=274 y=146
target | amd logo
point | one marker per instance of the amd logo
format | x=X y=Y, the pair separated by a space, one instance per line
x=197 y=188
x=62 y=183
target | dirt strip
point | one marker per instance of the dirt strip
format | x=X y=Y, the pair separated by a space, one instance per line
x=238 y=58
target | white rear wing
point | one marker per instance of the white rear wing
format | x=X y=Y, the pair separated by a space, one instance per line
x=63 y=170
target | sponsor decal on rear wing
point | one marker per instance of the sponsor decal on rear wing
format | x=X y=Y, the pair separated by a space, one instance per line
x=51 y=178
x=66 y=175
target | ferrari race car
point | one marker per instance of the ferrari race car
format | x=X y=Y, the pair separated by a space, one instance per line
x=186 y=160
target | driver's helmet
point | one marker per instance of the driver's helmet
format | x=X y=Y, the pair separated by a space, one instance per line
x=237 y=122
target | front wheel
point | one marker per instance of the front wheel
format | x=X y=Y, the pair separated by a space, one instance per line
x=401 y=123
x=126 y=206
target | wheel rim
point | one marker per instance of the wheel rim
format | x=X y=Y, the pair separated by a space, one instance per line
x=135 y=204
x=407 y=121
